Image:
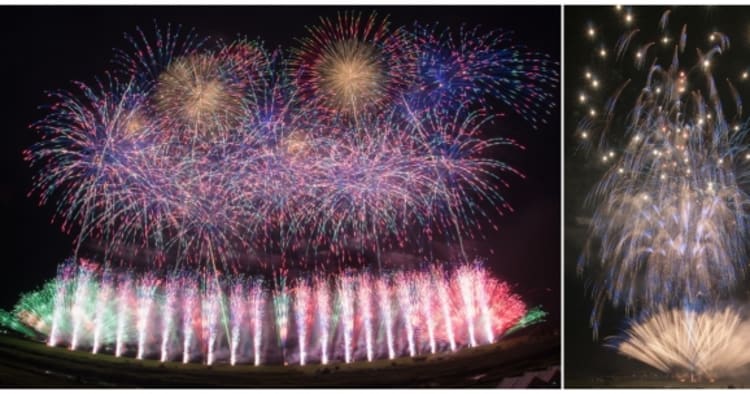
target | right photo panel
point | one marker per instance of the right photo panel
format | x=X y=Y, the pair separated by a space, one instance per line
x=657 y=175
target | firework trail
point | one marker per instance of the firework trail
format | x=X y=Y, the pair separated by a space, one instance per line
x=301 y=302
x=210 y=318
x=257 y=294
x=124 y=290
x=172 y=289
x=63 y=272
x=484 y=306
x=189 y=294
x=445 y=307
x=281 y=300
x=386 y=299
x=346 y=303
x=238 y=304
x=146 y=288
x=78 y=311
x=102 y=304
x=323 y=297
x=466 y=284
x=426 y=308
x=406 y=302
x=364 y=300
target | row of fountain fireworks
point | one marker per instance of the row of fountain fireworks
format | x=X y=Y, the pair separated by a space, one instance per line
x=321 y=318
x=669 y=233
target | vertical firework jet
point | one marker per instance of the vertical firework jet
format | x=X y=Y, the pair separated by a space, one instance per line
x=238 y=304
x=146 y=289
x=124 y=291
x=101 y=311
x=323 y=297
x=172 y=290
x=301 y=302
x=257 y=305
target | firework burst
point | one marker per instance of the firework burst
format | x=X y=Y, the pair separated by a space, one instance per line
x=668 y=225
x=201 y=94
x=352 y=64
x=470 y=65
x=688 y=343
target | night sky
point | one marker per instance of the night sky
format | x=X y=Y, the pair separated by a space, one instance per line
x=46 y=47
x=584 y=357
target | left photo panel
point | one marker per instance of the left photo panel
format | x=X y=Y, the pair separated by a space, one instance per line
x=268 y=196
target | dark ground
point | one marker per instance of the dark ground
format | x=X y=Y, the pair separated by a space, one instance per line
x=24 y=363
x=651 y=380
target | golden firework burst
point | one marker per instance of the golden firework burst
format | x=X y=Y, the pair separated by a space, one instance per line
x=351 y=74
x=353 y=64
x=196 y=93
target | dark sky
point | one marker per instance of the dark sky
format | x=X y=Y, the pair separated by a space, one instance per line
x=583 y=355
x=46 y=47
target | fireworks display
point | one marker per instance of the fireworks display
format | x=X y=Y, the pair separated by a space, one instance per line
x=352 y=317
x=239 y=198
x=668 y=226
x=205 y=152
x=668 y=235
